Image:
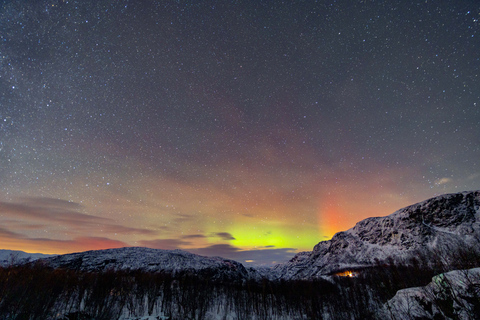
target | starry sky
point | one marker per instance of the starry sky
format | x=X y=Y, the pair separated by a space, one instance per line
x=248 y=129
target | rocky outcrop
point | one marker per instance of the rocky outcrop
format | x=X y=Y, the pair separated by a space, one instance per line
x=439 y=223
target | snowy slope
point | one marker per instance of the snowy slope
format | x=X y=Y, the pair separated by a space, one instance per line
x=149 y=260
x=440 y=222
x=451 y=295
x=9 y=257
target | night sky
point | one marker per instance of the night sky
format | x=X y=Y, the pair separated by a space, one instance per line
x=246 y=129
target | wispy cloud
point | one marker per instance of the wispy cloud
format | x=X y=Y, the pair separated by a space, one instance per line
x=114 y=228
x=221 y=235
x=43 y=210
x=15 y=241
x=51 y=203
x=81 y=243
x=194 y=236
x=166 y=244
x=181 y=218
x=61 y=212
x=442 y=181
x=224 y=236
x=7 y=233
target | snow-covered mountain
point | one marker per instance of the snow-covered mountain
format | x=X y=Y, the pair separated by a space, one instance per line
x=437 y=223
x=150 y=260
x=9 y=257
x=177 y=284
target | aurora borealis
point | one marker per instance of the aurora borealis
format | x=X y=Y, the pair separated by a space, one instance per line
x=245 y=129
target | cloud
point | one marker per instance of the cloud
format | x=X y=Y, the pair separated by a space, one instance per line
x=45 y=211
x=96 y=243
x=15 y=241
x=21 y=242
x=266 y=255
x=34 y=213
x=81 y=244
x=19 y=225
x=263 y=256
x=166 y=244
x=194 y=236
x=224 y=236
x=181 y=218
x=56 y=211
x=223 y=250
x=51 y=203
x=257 y=257
x=221 y=235
x=443 y=181
x=7 y=233
x=113 y=228
x=248 y=215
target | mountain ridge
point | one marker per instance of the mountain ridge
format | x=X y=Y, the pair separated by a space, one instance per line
x=11 y=257
x=149 y=260
x=436 y=223
x=432 y=224
x=175 y=284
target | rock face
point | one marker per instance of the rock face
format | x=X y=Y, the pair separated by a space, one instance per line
x=150 y=260
x=451 y=295
x=438 y=223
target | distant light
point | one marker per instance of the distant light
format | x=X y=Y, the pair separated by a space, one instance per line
x=349 y=274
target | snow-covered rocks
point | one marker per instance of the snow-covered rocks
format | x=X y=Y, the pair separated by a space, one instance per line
x=149 y=260
x=451 y=295
x=434 y=224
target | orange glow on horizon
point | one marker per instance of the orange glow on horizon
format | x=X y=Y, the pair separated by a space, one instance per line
x=60 y=247
x=331 y=216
